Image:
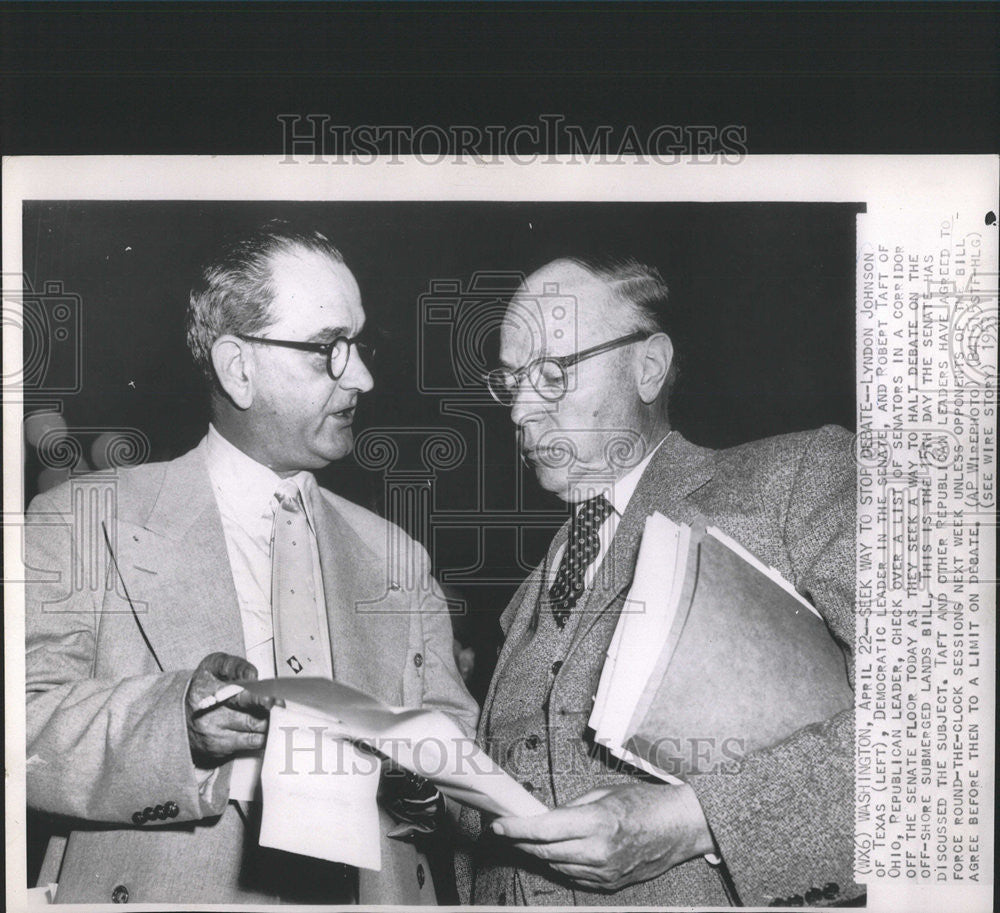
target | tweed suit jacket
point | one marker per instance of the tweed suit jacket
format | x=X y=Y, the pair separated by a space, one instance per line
x=106 y=730
x=783 y=821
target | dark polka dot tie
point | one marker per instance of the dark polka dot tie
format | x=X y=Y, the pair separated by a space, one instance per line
x=581 y=549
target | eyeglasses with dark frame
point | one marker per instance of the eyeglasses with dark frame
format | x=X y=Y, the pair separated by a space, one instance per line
x=337 y=352
x=547 y=375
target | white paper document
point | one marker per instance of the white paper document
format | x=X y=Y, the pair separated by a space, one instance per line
x=319 y=792
x=644 y=624
x=244 y=781
x=426 y=742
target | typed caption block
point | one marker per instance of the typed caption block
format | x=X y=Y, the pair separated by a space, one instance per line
x=926 y=449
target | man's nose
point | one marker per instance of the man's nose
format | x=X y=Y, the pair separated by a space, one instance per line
x=357 y=376
x=526 y=405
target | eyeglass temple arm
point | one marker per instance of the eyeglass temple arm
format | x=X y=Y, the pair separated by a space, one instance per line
x=568 y=360
x=292 y=344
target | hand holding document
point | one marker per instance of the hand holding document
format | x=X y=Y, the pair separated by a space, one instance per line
x=319 y=787
x=426 y=742
x=715 y=655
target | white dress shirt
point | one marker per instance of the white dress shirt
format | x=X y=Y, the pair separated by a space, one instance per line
x=618 y=494
x=244 y=491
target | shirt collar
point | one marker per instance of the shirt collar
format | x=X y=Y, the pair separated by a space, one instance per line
x=620 y=493
x=243 y=487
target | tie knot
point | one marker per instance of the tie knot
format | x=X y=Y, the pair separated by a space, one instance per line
x=594 y=512
x=288 y=495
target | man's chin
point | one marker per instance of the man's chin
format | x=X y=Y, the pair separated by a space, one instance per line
x=553 y=480
x=333 y=449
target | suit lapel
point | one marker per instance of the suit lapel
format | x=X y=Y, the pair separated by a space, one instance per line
x=178 y=570
x=531 y=589
x=676 y=470
x=364 y=606
x=520 y=612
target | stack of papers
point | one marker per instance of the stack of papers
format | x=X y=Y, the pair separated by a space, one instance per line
x=715 y=655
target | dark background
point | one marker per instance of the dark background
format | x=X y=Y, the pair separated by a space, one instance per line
x=764 y=328
x=826 y=77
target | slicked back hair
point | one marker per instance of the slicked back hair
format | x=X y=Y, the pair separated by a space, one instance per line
x=643 y=295
x=235 y=289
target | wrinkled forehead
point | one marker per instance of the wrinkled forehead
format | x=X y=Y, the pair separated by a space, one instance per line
x=554 y=314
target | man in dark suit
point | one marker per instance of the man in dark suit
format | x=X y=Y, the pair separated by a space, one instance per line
x=192 y=592
x=586 y=367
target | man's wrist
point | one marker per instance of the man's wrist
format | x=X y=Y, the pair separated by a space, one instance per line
x=701 y=836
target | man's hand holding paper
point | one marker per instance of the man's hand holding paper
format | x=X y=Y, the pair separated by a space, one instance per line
x=217 y=731
x=610 y=838
x=324 y=770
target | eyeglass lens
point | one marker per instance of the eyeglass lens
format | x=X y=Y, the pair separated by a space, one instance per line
x=546 y=378
x=340 y=355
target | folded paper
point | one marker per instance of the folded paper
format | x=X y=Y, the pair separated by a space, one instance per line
x=426 y=742
x=318 y=792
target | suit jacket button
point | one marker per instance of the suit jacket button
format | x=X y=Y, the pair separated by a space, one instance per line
x=531 y=741
x=812 y=895
x=418 y=659
x=149 y=813
x=420 y=875
x=529 y=787
x=830 y=890
x=138 y=818
x=556 y=666
x=795 y=900
x=171 y=809
x=778 y=902
x=119 y=894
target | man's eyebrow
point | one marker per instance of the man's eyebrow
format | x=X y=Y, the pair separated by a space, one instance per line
x=535 y=356
x=328 y=334
x=510 y=366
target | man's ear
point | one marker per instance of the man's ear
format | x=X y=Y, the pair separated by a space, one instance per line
x=656 y=356
x=234 y=367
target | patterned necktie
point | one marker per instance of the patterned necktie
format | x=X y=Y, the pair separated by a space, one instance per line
x=581 y=549
x=298 y=647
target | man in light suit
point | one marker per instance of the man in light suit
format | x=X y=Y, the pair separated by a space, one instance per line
x=118 y=748
x=586 y=367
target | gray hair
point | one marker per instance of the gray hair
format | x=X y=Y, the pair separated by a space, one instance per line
x=234 y=290
x=643 y=295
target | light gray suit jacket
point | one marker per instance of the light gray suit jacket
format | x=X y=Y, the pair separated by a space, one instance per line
x=784 y=820
x=106 y=730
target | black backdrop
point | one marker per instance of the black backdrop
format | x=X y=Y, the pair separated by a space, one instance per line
x=764 y=296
